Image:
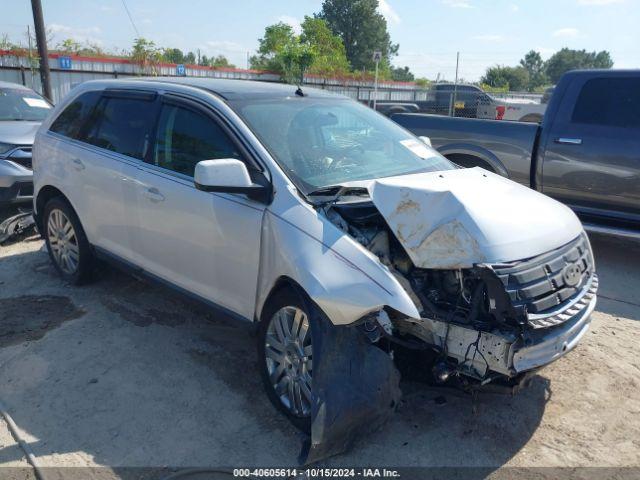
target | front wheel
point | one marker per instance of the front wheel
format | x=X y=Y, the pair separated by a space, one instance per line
x=285 y=348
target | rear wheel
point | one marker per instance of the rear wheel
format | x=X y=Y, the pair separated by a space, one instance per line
x=66 y=242
x=285 y=347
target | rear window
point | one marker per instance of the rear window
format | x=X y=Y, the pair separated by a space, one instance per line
x=70 y=122
x=122 y=125
x=612 y=102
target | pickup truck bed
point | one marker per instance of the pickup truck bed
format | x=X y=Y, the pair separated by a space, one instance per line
x=472 y=142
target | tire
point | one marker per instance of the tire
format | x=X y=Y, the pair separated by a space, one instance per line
x=285 y=359
x=67 y=244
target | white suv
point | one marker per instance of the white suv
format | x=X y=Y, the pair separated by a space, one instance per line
x=335 y=229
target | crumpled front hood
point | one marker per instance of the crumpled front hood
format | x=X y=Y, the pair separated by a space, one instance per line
x=18 y=133
x=458 y=218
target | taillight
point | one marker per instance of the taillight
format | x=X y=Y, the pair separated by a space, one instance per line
x=500 y=112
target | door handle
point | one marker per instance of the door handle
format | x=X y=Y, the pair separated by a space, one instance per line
x=569 y=141
x=154 y=195
x=77 y=164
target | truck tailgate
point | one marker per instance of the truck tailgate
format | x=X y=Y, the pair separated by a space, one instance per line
x=507 y=147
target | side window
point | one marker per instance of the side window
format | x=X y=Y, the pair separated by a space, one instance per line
x=122 y=125
x=70 y=122
x=186 y=137
x=611 y=102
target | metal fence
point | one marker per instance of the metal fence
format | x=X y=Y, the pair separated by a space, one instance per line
x=465 y=101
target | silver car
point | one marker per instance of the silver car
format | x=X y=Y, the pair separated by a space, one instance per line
x=21 y=112
x=340 y=234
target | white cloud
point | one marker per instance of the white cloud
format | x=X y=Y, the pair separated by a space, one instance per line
x=388 y=12
x=599 y=2
x=235 y=52
x=514 y=8
x=458 y=3
x=292 y=21
x=545 y=52
x=568 y=32
x=223 y=46
x=88 y=34
x=489 y=38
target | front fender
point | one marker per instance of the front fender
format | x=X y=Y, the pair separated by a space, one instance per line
x=330 y=275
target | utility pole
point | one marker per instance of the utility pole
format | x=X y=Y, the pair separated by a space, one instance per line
x=377 y=56
x=43 y=53
x=455 y=85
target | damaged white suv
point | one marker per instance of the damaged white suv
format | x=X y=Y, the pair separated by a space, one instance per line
x=337 y=230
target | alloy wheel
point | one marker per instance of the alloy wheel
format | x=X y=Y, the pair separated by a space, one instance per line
x=289 y=360
x=63 y=241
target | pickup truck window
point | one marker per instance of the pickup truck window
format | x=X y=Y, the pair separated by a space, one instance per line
x=613 y=102
x=323 y=142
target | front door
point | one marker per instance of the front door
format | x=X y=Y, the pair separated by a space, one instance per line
x=592 y=157
x=206 y=243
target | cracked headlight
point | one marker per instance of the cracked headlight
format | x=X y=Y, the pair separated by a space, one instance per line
x=5 y=147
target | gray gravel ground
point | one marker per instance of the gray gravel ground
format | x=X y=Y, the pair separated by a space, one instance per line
x=126 y=373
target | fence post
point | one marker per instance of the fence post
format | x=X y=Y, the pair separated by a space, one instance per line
x=22 y=76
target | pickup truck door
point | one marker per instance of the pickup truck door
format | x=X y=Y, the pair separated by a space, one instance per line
x=205 y=243
x=591 y=155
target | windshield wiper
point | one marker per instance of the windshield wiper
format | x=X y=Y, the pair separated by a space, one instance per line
x=332 y=193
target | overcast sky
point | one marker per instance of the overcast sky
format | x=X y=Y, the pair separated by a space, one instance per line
x=430 y=32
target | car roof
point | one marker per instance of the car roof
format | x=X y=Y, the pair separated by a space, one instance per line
x=230 y=89
x=17 y=86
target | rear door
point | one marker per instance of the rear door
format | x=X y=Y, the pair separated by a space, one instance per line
x=205 y=243
x=118 y=136
x=592 y=153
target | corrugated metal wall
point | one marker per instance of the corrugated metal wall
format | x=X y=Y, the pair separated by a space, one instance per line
x=17 y=69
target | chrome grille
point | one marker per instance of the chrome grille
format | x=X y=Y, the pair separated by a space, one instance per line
x=550 y=284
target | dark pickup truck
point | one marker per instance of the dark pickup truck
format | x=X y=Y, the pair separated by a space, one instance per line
x=585 y=153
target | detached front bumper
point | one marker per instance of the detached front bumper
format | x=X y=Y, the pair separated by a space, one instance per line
x=503 y=351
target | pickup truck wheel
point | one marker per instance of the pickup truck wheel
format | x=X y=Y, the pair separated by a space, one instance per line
x=285 y=350
x=66 y=241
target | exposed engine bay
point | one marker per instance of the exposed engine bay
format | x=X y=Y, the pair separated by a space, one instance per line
x=468 y=315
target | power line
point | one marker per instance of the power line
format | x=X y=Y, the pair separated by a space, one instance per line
x=124 y=4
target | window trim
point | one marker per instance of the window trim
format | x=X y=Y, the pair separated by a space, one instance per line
x=190 y=103
x=150 y=96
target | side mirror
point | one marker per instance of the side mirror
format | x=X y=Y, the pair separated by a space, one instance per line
x=229 y=175
x=425 y=140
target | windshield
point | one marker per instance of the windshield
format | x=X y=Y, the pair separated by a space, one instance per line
x=22 y=105
x=323 y=142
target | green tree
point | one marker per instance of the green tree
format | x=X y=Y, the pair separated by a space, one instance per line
x=329 y=53
x=514 y=78
x=401 y=74
x=295 y=57
x=534 y=65
x=423 y=82
x=69 y=46
x=173 y=55
x=147 y=55
x=362 y=29
x=316 y=50
x=221 y=61
x=567 y=59
x=275 y=37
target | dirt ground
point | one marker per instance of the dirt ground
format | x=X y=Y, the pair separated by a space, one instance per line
x=123 y=373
